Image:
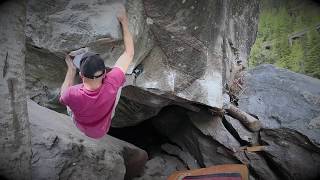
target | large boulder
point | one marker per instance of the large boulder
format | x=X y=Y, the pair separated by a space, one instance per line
x=185 y=51
x=192 y=58
x=292 y=153
x=174 y=123
x=198 y=44
x=288 y=106
x=15 y=149
x=57 y=27
x=61 y=26
x=283 y=99
x=61 y=151
x=208 y=140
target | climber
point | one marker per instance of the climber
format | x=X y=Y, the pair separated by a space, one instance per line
x=92 y=103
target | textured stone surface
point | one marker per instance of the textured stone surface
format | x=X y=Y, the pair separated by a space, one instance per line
x=194 y=46
x=288 y=106
x=61 y=26
x=293 y=155
x=160 y=167
x=175 y=123
x=259 y=167
x=57 y=27
x=208 y=141
x=137 y=105
x=15 y=150
x=212 y=126
x=283 y=99
x=186 y=54
x=61 y=151
x=173 y=150
x=44 y=76
x=184 y=51
x=245 y=136
x=133 y=107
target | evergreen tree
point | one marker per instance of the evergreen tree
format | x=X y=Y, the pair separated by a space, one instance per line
x=277 y=21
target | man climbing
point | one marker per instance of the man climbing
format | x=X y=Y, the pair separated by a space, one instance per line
x=93 y=102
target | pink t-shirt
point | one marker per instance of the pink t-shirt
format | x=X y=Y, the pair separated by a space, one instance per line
x=92 y=109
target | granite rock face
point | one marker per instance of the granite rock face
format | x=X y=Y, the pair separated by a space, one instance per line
x=294 y=155
x=288 y=106
x=283 y=99
x=185 y=52
x=197 y=51
x=55 y=28
x=203 y=140
x=160 y=167
x=60 y=150
x=291 y=141
x=61 y=26
x=197 y=42
x=15 y=148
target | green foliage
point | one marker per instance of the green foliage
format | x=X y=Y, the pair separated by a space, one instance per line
x=312 y=64
x=277 y=22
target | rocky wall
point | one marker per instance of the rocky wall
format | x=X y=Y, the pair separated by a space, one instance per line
x=185 y=51
x=15 y=148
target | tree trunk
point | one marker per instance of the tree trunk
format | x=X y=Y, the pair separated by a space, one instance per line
x=246 y=119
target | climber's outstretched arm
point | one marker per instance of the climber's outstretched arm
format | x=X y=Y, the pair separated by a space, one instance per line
x=125 y=59
x=71 y=73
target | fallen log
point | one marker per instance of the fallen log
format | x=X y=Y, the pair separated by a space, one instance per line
x=253 y=148
x=252 y=123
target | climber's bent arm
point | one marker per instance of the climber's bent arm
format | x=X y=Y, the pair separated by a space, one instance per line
x=71 y=73
x=125 y=59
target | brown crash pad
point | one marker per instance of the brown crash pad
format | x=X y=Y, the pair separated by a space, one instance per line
x=219 y=172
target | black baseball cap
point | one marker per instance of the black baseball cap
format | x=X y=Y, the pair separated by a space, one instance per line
x=91 y=63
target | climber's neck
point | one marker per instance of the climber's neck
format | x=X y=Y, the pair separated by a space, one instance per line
x=92 y=85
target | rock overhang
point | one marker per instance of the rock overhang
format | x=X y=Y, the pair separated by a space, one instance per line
x=191 y=53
